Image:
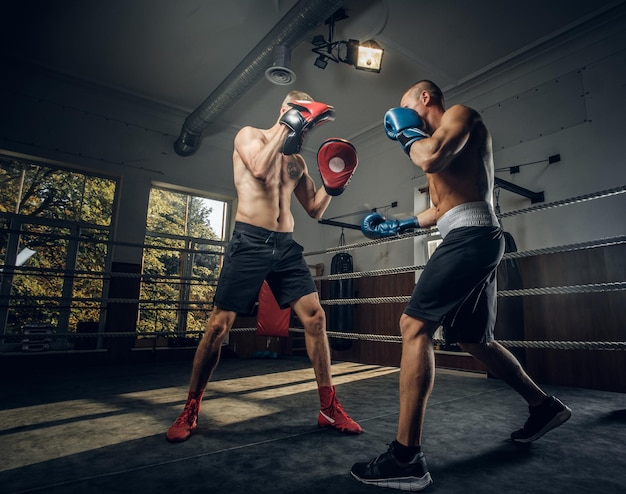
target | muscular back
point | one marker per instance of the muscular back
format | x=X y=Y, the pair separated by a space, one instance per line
x=264 y=194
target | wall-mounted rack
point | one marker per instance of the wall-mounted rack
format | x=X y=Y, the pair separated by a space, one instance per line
x=511 y=187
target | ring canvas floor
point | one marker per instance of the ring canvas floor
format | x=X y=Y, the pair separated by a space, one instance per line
x=101 y=429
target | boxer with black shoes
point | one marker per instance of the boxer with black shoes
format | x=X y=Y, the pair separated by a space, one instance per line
x=457 y=288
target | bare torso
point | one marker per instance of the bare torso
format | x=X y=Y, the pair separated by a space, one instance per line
x=468 y=178
x=267 y=202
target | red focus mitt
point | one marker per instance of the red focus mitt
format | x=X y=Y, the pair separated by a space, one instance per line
x=337 y=160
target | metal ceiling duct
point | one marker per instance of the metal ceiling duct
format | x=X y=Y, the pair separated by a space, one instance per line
x=280 y=73
x=303 y=17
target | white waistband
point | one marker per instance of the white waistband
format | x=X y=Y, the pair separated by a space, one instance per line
x=468 y=214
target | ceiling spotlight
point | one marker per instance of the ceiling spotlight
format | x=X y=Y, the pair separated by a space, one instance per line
x=369 y=56
x=366 y=56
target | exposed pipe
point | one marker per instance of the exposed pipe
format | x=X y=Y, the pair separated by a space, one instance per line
x=280 y=72
x=290 y=30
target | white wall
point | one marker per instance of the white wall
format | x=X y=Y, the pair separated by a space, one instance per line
x=567 y=99
x=530 y=114
x=54 y=119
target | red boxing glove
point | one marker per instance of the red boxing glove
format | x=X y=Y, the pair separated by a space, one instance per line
x=337 y=160
x=300 y=119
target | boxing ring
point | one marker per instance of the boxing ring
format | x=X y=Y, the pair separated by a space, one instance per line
x=604 y=287
x=100 y=428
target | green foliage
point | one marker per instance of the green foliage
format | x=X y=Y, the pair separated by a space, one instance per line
x=181 y=263
x=38 y=193
x=180 y=266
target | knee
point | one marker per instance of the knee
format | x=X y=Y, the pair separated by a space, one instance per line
x=315 y=322
x=217 y=328
x=409 y=327
x=412 y=329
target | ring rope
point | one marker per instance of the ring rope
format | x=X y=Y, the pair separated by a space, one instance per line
x=374 y=272
x=565 y=202
x=592 y=244
x=603 y=242
x=560 y=345
x=367 y=300
x=540 y=207
x=566 y=345
x=105 y=275
x=376 y=241
x=587 y=288
x=615 y=286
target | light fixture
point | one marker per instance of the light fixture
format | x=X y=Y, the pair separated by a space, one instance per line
x=369 y=56
x=366 y=56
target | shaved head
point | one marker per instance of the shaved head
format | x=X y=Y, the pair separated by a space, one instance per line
x=431 y=88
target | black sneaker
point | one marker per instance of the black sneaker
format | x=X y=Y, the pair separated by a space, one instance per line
x=386 y=471
x=543 y=418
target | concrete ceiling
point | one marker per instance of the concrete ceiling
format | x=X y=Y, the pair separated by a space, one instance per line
x=177 y=53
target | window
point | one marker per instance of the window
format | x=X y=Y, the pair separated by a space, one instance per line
x=31 y=189
x=54 y=231
x=182 y=259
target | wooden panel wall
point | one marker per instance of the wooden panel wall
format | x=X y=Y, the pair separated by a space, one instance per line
x=384 y=319
x=380 y=319
x=577 y=317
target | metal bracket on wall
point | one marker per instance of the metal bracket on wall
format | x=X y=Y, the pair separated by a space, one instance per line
x=332 y=221
x=511 y=187
x=339 y=223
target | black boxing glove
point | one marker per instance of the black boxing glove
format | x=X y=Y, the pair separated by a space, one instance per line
x=300 y=119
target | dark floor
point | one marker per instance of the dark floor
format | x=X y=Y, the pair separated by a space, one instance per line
x=101 y=429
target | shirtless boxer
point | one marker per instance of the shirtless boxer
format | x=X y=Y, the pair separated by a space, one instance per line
x=267 y=171
x=457 y=288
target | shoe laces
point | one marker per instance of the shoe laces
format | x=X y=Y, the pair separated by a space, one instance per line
x=189 y=415
x=336 y=410
x=388 y=453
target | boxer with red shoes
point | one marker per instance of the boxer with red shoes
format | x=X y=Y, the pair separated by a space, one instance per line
x=267 y=171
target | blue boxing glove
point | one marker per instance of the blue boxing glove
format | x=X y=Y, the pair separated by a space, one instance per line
x=405 y=126
x=374 y=226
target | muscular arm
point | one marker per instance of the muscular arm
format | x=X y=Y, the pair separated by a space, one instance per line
x=314 y=201
x=427 y=218
x=258 y=153
x=435 y=153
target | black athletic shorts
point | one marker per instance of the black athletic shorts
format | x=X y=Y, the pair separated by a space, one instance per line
x=255 y=254
x=457 y=288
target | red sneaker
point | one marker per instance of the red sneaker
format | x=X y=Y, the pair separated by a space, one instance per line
x=186 y=421
x=334 y=416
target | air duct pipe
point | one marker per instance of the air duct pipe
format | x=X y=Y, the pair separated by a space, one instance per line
x=280 y=72
x=290 y=30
